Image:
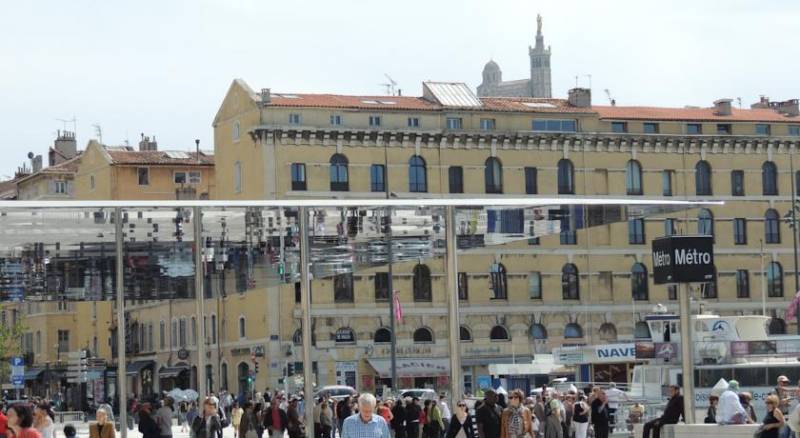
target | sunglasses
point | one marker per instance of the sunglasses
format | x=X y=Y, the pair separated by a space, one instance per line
x=462 y=405
x=515 y=396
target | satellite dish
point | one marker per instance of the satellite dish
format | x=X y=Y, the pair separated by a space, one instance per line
x=30 y=155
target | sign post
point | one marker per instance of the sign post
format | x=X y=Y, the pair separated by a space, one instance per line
x=18 y=374
x=683 y=260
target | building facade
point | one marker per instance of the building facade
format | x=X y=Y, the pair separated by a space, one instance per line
x=539 y=84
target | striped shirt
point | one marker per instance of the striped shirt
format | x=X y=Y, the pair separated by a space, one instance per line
x=355 y=427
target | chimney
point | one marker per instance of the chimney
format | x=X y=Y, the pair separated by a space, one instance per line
x=266 y=96
x=763 y=103
x=789 y=107
x=64 y=148
x=580 y=97
x=722 y=107
x=145 y=144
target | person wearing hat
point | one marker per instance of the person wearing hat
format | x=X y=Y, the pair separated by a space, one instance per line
x=782 y=391
x=730 y=410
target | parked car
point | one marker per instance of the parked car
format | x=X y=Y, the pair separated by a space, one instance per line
x=336 y=392
x=420 y=393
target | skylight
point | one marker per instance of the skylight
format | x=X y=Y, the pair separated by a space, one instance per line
x=178 y=155
x=538 y=105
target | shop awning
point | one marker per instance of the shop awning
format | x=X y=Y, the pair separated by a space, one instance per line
x=33 y=373
x=133 y=368
x=171 y=372
x=423 y=367
x=489 y=360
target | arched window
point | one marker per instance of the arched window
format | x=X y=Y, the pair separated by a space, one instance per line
x=639 y=288
x=464 y=334
x=705 y=222
x=573 y=330
x=499 y=280
x=297 y=338
x=382 y=336
x=608 y=332
x=702 y=178
x=235 y=132
x=242 y=328
x=340 y=181
x=493 y=175
x=538 y=331
x=633 y=178
x=772 y=227
x=244 y=373
x=224 y=373
x=641 y=330
x=423 y=335
x=343 y=288
x=566 y=177
x=777 y=326
x=422 y=283
x=417 y=175
x=775 y=280
x=769 y=178
x=570 y=282
x=499 y=333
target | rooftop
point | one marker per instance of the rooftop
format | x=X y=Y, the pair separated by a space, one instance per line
x=125 y=155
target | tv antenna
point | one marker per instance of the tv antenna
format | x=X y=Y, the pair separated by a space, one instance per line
x=611 y=100
x=74 y=122
x=98 y=131
x=390 y=86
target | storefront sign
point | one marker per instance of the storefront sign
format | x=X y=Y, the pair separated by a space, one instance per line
x=478 y=351
x=645 y=350
x=683 y=259
x=569 y=357
x=406 y=350
x=345 y=335
x=183 y=354
x=617 y=353
x=666 y=350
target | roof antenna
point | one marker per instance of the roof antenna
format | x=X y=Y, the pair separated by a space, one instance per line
x=739 y=101
x=390 y=86
x=98 y=132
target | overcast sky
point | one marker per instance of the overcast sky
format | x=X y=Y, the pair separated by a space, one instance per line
x=161 y=67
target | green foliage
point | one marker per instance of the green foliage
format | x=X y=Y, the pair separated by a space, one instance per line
x=10 y=344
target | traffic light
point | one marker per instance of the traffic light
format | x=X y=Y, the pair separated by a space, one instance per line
x=256 y=367
x=290 y=369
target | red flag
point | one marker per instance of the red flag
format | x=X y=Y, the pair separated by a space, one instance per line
x=791 y=311
x=398 y=309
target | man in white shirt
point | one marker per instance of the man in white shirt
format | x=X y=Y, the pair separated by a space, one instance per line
x=446 y=414
x=614 y=395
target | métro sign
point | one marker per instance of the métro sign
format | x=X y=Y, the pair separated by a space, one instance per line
x=683 y=259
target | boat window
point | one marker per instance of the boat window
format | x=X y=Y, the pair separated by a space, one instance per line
x=793 y=373
x=752 y=377
x=652 y=376
x=710 y=376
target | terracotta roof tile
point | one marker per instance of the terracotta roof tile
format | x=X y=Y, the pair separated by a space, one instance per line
x=531 y=104
x=690 y=114
x=131 y=157
x=353 y=102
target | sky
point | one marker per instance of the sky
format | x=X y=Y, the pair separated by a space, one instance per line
x=162 y=67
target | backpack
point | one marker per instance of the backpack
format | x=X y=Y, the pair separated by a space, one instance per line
x=223 y=419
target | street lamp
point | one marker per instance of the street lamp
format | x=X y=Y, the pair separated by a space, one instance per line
x=791 y=218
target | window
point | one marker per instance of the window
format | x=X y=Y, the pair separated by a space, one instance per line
x=413 y=122
x=651 y=128
x=464 y=334
x=666 y=182
x=173 y=339
x=455 y=176
x=705 y=222
x=740 y=231
x=343 y=288
x=374 y=121
x=672 y=292
x=535 y=286
x=336 y=120
x=298 y=176
x=794 y=130
x=763 y=129
x=499 y=281
x=619 y=127
x=194 y=330
x=214 y=329
x=641 y=330
x=639 y=282
x=235 y=131
x=338 y=173
x=381 y=286
x=144 y=176
x=769 y=178
x=454 y=122
x=724 y=128
x=554 y=125
x=777 y=326
x=570 y=282
x=702 y=178
x=382 y=336
x=242 y=328
x=531 y=186
x=463 y=286
x=422 y=283
x=573 y=330
x=538 y=331
x=488 y=124
x=91 y=182
x=571 y=219
x=566 y=177
x=294 y=119
x=742 y=283
x=669 y=227
x=162 y=335
x=772 y=229
x=377 y=178
x=194 y=177
x=182 y=332
x=694 y=128
x=737 y=182
x=498 y=333
x=60 y=187
x=417 y=175
x=775 y=280
x=633 y=178
x=63 y=341
x=636 y=231
x=298 y=293
x=797 y=183
x=237 y=177
x=423 y=336
x=493 y=175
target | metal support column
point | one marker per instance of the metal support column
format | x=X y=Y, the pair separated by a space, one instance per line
x=197 y=217
x=390 y=284
x=687 y=354
x=305 y=304
x=794 y=228
x=454 y=324
x=122 y=372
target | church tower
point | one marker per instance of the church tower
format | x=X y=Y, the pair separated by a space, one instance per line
x=540 y=64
